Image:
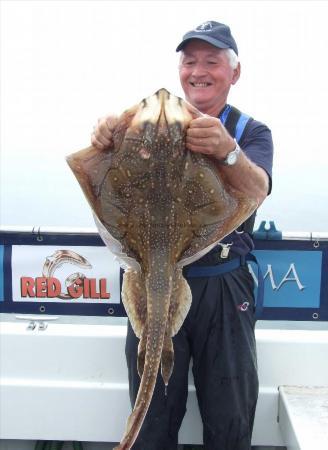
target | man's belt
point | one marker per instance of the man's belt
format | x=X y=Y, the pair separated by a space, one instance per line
x=212 y=271
x=222 y=268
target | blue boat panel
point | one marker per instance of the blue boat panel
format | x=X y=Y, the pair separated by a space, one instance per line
x=295 y=278
x=2 y=273
x=292 y=278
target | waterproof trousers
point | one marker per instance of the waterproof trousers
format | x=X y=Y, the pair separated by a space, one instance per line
x=218 y=334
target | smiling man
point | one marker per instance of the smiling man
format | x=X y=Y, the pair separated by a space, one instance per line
x=206 y=75
x=218 y=333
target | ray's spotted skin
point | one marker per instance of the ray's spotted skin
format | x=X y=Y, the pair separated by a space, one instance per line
x=158 y=207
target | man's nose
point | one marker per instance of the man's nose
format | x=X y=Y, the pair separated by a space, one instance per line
x=199 y=70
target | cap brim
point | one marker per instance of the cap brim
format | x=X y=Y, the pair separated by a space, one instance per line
x=210 y=40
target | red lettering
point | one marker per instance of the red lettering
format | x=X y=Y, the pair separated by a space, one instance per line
x=76 y=289
x=41 y=286
x=93 y=288
x=86 y=288
x=27 y=287
x=103 y=288
x=53 y=287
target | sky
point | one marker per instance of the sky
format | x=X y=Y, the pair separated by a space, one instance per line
x=64 y=64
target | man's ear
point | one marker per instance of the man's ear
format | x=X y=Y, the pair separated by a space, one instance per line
x=236 y=74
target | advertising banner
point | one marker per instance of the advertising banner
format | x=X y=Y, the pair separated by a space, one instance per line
x=79 y=274
x=1 y=273
x=292 y=278
x=75 y=274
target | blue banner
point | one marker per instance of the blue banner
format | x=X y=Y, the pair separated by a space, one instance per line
x=292 y=278
x=1 y=273
x=73 y=274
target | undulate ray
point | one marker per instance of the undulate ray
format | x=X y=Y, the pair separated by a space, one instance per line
x=158 y=207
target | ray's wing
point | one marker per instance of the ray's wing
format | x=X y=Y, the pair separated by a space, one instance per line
x=215 y=208
x=91 y=168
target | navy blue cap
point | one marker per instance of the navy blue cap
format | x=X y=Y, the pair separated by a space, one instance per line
x=214 y=33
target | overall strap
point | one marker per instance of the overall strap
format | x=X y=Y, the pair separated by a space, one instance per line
x=235 y=121
x=240 y=127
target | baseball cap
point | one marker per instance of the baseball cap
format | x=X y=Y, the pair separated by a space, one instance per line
x=215 y=33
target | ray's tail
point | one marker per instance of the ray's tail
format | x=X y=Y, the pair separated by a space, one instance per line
x=158 y=300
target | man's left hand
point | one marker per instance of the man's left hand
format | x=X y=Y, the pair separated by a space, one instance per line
x=207 y=135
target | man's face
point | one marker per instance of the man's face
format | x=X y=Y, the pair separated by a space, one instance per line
x=206 y=76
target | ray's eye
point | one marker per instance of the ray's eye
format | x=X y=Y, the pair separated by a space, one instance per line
x=148 y=134
x=146 y=142
x=145 y=148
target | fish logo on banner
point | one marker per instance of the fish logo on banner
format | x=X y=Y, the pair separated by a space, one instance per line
x=72 y=281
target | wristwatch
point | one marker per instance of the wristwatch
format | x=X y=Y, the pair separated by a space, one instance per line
x=232 y=156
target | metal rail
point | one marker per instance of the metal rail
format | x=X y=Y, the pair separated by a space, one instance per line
x=92 y=231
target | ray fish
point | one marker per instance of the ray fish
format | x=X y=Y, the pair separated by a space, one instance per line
x=158 y=207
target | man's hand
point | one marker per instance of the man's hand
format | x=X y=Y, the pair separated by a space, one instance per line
x=102 y=136
x=207 y=135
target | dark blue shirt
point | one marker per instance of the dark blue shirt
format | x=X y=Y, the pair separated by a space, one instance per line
x=256 y=143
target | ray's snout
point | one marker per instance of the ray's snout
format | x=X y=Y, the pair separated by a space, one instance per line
x=162 y=109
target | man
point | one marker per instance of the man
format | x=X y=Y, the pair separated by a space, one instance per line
x=218 y=332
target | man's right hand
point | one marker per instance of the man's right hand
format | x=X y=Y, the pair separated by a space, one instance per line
x=102 y=136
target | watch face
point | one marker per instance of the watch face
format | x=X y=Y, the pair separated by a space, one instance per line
x=232 y=158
